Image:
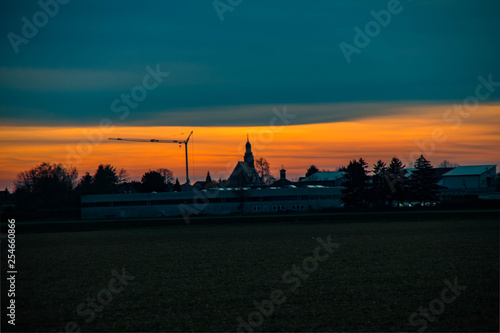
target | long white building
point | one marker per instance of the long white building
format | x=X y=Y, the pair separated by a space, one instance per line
x=216 y=201
x=471 y=177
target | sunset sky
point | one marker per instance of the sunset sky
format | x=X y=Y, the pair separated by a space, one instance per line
x=276 y=70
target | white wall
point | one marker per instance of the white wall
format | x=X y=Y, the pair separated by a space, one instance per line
x=196 y=202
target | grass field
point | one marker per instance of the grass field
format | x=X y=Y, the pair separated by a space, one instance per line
x=203 y=277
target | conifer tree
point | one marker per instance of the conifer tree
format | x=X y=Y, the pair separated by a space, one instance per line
x=355 y=193
x=423 y=181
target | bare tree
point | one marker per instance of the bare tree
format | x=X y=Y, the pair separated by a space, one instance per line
x=123 y=176
x=167 y=174
x=46 y=178
x=262 y=167
x=46 y=187
x=447 y=164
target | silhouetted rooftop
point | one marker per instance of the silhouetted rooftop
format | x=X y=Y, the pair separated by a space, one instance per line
x=469 y=170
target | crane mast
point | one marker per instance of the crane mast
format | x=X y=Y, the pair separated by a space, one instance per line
x=185 y=142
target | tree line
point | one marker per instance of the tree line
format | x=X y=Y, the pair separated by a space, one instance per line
x=53 y=190
x=388 y=184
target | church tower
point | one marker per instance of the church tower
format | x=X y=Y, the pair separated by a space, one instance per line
x=249 y=155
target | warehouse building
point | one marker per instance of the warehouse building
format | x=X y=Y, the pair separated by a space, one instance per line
x=470 y=178
x=215 y=201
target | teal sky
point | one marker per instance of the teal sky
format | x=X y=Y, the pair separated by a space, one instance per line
x=263 y=53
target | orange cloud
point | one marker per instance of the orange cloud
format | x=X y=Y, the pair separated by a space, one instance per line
x=476 y=140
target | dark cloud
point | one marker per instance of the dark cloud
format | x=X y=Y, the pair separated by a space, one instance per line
x=263 y=54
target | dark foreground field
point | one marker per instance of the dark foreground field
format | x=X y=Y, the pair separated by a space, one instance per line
x=204 y=277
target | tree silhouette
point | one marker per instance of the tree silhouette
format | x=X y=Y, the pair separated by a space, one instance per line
x=85 y=184
x=86 y=180
x=106 y=179
x=46 y=178
x=423 y=181
x=448 y=164
x=123 y=176
x=167 y=175
x=263 y=170
x=355 y=193
x=45 y=187
x=380 y=188
x=397 y=180
x=177 y=186
x=311 y=170
x=135 y=186
x=153 y=181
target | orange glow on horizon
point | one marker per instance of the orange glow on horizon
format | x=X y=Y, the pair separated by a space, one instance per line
x=217 y=149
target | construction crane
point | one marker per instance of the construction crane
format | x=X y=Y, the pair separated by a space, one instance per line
x=185 y=142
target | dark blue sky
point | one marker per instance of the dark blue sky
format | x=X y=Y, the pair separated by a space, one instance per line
x=263 y=54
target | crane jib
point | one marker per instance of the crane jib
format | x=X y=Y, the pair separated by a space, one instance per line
x=185 y=142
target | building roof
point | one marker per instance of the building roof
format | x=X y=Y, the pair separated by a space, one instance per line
x=442 y=171
x=244 y=174
x=282 y=183
x=323 y=176
x=409 y=171
x=438 y=172
x=469 y=170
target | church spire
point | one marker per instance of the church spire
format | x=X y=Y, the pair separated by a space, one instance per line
x=248 y=158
